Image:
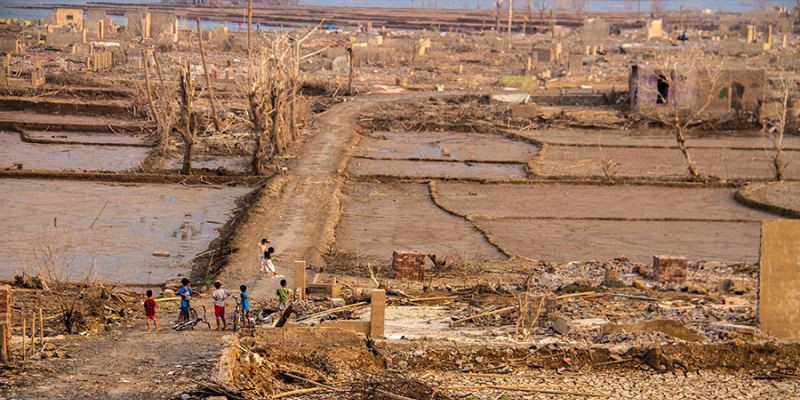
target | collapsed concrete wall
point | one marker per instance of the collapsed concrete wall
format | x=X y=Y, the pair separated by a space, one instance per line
x=138 y=23
x=66 y=17
x=163 y=27
x=96 y=23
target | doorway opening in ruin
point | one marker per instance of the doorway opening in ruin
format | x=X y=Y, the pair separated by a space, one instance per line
x=663 y=89
x=737 y=96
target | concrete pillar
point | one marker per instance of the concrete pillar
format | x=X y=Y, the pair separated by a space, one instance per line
x=377 y=313
x=5 y=342
x=779 y=279
x=300 y=279
x=751 y=33
x=768 y=39
x=101 y=29
x=5 y=322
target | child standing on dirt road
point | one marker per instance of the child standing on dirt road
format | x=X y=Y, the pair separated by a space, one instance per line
x=219 y=295
x=150 y=311
x=245 y=307
x=283 y=295
x=268 y=261
x=185 y=293
x=262 y=251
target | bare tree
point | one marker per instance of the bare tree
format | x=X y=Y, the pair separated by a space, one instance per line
x=679 y=89
x=579 y=6
x=272 y=95
x=655 y=7
x=499 y=7
x=188 y=118
x=510 y=19
x=775 y=121
x=542 y=6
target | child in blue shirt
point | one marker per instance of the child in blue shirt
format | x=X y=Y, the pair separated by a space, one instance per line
x=185 y=293
x=245 y=307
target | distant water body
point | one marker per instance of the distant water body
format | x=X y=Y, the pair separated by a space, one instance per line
x=8 y=10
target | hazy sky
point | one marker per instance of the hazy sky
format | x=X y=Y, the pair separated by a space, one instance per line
x=595 y=5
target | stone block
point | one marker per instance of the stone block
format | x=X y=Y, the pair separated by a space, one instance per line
x=352 y=325
x=408 y=265
x=779 y=279
x=669 y=268
x=325 y=289
x=377 y=313
x=5 y=309
x=300 y=279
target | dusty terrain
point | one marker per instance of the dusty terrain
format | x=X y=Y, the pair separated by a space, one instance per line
x=518 y=170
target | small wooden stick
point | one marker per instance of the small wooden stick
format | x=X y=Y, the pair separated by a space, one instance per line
x=24 y=333
x=297 y=392
x=41 y=328
x=309 y=381
x=531 y=389
x=33 y=332
x=486 y=314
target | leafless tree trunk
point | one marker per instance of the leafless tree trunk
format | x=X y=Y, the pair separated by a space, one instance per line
x=256 y=163
x=149 y=88
x=295 y=90
x=249 y=31
x=655 y=7
x=209 y=87
x=681 y=112
x=351 y=61
x=542 y=6
x=579 y=6
x=680 y=137
x=188 y=121
x=499 y=7
x=775 y=122
x=510 y=20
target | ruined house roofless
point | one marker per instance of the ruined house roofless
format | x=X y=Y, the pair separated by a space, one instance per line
x=738 y=89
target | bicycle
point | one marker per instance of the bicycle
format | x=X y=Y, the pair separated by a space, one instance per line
x=193 y=320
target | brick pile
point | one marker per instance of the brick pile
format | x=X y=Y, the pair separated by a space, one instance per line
x=670 y=269
x=408 y=265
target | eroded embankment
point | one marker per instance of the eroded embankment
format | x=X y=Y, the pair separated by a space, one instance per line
x=281 y=360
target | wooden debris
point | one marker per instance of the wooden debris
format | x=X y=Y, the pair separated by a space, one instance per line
x=525 y=388
x=485 y=314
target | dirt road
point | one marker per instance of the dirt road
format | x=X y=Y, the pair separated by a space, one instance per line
x=299 y=211
x=128 y=363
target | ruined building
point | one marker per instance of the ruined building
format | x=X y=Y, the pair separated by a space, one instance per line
x=735 y=89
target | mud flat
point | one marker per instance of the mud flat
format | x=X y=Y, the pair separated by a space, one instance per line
x=109 y=230
x=562 y=222
x=66 y=157
x=234 y=163
x=445 y=146
x=380 y=218
x=653 y=138
x=658 y=163
x=435 y=169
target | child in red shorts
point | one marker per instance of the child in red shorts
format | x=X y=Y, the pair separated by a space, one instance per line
x=150 y=311
x=219 y=295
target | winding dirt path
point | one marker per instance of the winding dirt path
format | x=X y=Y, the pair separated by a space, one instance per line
x=300 y=208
